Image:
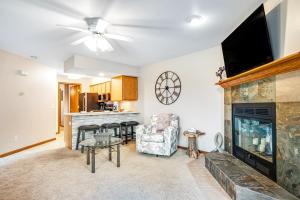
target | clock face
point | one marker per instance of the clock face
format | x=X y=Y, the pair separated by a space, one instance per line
x=167 y=87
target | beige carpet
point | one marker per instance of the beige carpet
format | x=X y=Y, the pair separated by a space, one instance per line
x=63 y=174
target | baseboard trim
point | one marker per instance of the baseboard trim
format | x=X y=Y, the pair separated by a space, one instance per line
x=185 y=148
x=181 y=147
x=25 y=148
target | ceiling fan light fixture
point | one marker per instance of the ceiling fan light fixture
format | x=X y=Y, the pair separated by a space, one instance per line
x=101 y=25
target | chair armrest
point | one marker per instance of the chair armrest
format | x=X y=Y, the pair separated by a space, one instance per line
x=170 y=140
x=170 y=134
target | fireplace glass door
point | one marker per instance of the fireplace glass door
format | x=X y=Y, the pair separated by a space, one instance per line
x=254 y=136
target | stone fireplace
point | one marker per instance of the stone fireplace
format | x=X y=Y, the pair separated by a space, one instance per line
x=282 y=91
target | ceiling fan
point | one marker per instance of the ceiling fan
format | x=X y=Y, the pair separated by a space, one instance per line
x=96 y=34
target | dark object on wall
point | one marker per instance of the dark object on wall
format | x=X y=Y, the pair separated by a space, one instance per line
x=248 y=46
x=220 y=71
x=167 y=88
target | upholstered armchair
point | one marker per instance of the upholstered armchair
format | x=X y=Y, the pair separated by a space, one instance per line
x=160 y=136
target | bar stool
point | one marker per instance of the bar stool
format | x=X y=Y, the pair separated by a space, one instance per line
x=126 y=125
x=114 y=126
x=81 y=133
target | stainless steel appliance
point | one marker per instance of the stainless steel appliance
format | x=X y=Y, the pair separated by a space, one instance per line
x=88 y=102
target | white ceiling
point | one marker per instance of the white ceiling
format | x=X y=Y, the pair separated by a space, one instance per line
x=158 y=27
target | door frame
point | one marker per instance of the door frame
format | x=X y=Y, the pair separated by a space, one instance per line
x=59 y=102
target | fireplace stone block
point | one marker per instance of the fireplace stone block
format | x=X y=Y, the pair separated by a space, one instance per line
x=288 y=146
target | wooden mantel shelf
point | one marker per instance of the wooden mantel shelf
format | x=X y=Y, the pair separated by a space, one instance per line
x=280 y=66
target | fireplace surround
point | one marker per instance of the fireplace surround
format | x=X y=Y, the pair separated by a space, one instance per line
x=279 y=83
x=254 y=136
x=284 y=91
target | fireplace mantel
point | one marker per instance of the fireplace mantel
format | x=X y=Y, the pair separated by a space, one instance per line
x=280 y=66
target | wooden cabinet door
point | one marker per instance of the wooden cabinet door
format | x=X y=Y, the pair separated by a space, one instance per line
x=92 y=88
x=107 y=87
x=99 y=89
x=74 y=98
x=116 y=88
x=130 y=88
x=103 y=88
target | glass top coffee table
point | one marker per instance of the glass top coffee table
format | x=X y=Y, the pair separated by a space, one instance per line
x=101 y=141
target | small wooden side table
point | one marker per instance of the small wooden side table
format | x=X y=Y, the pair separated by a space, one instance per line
x=192 y=150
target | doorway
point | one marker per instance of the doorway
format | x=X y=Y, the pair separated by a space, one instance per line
x=68 y=101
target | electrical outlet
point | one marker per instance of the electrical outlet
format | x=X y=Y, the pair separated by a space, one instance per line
x=16 y=137
x=296 y=151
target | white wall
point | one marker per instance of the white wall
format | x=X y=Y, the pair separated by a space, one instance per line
x=28 y=103
x=292 y=32
x=283 y=19
x=92 y=67
x=200 y=104
x=85 y=82
x=276 y=11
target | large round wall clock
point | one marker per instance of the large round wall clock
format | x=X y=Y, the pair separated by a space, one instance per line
x=167 y=87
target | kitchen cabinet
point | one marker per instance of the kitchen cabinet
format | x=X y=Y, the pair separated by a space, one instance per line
x=101 y=88
x=93 y=88
x=124 y=88
x=102 y=85
x=107 y=86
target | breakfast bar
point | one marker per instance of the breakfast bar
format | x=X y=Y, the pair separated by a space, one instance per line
x=72 y=121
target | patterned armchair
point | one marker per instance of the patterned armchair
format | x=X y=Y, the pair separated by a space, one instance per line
x=160 y=137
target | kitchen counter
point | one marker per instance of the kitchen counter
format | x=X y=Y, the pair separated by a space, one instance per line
x=100 y=113
x=74 y=120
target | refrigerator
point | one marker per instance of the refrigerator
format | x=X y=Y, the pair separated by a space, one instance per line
x=88 y=102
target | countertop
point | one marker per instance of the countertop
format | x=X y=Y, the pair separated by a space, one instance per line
x=100 y=113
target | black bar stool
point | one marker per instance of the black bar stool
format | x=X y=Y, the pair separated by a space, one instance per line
x=114 y=126
x=81 y=133
x=125 y=126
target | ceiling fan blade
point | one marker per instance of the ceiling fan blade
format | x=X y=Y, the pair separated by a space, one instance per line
x=118 y=37
x=103 y=44
x=144 y=26
x=81 y=40
x=101 y=25
x=74 y=28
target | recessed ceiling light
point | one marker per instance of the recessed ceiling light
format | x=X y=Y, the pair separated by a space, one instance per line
x=101 y=74
x=195 y=20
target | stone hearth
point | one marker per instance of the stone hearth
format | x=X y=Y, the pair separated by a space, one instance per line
x=241 y=181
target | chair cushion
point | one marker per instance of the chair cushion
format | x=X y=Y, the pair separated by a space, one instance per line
x=163 y=121
x=159 y=138
x=110 y=125
x=130 y=123
x=89 y=127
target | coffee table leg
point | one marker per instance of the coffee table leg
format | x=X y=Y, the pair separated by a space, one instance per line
x=118 y=155
x=93 y=160
x=88 y=156
x=109 y=148
x=109 y=153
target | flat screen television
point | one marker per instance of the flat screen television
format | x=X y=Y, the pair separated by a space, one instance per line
x=248 y=46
